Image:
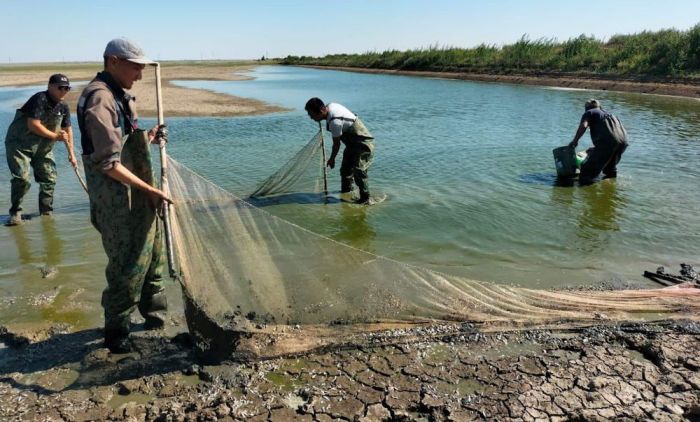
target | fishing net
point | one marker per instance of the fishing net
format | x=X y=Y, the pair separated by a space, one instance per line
x=246 y=272
x=302 y=173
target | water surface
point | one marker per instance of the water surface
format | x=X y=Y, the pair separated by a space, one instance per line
x=466 y=166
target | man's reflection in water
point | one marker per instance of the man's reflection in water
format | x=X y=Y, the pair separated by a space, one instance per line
x=23 y=243
x=53 y=244
x=28 y=250
x=354 y=229
x=596 y=209
x=600 y=214
x=602 y=204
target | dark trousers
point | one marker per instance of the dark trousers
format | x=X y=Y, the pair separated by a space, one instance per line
x=601 y=159
x=356 y=161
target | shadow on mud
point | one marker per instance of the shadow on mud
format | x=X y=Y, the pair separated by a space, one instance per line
x=78 y=361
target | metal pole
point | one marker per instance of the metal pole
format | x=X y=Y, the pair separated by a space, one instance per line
x=164 y=180
x=325 y=171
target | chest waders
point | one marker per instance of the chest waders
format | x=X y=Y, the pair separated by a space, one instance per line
x=131 y=236
x=608 y=147
x=25 y=150
x=357 y=158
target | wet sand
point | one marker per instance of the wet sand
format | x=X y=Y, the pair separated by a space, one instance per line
x=681 y=87
x=177 y=101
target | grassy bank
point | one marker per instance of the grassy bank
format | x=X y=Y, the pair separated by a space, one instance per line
x=659 y=55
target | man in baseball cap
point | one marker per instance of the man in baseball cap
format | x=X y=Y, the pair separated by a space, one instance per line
x=123 y=198
x=127 y=50
x=41 y=122
x=59 y=80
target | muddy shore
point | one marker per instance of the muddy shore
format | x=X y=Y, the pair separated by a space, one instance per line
x=177 y=101
x=682 y=88
x=627 y=372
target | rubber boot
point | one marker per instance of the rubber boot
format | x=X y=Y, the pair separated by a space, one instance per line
x=153 y=310
x=15 y=219
x=117 y=341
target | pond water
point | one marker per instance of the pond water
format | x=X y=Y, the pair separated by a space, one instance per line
x=466 y=167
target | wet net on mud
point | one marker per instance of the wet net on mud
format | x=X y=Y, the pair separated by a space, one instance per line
x=245 y=272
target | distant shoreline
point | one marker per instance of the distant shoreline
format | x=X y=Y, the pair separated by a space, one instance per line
x=177 y=101
x=602 y=83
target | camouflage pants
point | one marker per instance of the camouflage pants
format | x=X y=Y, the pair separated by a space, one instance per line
x=357 y=158
x=131 y=236
x=25 y=150
x=356 y=161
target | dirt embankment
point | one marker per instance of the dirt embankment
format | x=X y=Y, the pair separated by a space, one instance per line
x=628 y=372
x=177 y=101
x=683 y=88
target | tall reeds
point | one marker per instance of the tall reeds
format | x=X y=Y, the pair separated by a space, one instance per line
x=665 y=53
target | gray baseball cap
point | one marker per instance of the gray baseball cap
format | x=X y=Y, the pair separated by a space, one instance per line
x=125 y=49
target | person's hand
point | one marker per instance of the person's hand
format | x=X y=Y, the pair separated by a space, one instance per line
x=331 y=163
x=73 y=161
x=158 y=197
x=157 y=134
x=61 y=136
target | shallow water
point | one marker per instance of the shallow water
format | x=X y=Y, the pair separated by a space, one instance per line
x=466 y=167
x=468 y=171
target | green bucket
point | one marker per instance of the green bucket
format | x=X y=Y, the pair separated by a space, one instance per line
x=581 y=158
x=565 y=161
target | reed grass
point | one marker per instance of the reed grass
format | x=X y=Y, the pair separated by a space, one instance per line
x=664 y=53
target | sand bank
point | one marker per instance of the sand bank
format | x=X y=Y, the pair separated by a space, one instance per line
x=177 y=101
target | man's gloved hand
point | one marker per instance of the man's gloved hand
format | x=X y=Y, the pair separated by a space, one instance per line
x=162 y=134
x=158 y=134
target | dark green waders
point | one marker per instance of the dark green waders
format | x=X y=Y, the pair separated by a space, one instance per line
x=357 y=158
x=25 y=150
x=606 y=153
x=132 y=239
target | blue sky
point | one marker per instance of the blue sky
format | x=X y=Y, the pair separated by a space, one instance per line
x=71 y=30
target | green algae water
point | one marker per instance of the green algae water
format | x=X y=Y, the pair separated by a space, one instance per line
x=466 y=167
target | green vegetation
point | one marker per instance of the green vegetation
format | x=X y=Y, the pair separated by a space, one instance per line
x=665 y=53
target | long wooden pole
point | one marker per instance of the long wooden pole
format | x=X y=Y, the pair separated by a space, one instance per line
x=77 y=172
x=164 y=180
x=325 y=171
x=80 y=179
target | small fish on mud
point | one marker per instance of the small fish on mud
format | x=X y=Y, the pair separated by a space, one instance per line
x=48 y=271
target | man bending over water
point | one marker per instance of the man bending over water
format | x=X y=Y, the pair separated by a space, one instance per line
x=359 y=146
x=609 y=142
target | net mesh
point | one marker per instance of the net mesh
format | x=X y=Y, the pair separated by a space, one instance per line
x=302 y=173
x=239 y=260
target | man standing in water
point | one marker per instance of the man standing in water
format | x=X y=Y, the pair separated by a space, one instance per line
x=609 y=142
x=41 y=122
x=359 y=146
x=123 y=200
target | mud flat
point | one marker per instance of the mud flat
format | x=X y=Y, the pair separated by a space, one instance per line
x=177 y=101
x=624 y=371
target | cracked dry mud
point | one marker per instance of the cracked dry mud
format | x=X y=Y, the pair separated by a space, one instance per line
x=624 y=372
